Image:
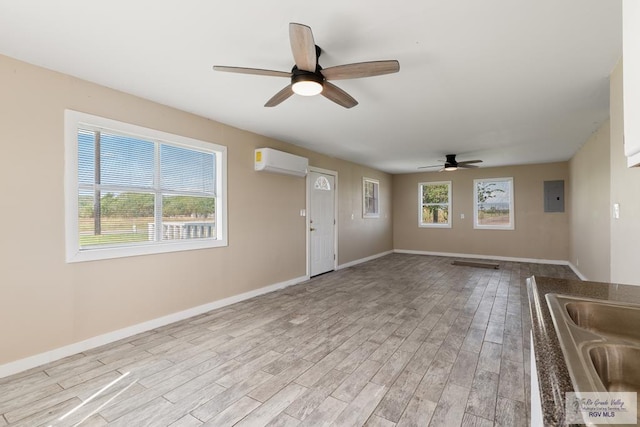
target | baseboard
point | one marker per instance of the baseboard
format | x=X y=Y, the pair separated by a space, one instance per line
x=575 y=270
x=361 y=260
x=68 y=350
x=493 y=257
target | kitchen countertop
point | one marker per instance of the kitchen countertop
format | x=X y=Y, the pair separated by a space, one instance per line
x=553 y=376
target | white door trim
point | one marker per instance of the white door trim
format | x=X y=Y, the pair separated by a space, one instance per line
x=335 y=215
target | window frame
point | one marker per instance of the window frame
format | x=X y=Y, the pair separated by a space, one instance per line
x=74 y=253
x=376 y=186
x=421 y=205
x=511 y=225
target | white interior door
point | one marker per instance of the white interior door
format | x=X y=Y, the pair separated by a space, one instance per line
x=321 y=223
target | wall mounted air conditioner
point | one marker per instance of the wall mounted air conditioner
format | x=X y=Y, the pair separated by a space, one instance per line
x=270 y=160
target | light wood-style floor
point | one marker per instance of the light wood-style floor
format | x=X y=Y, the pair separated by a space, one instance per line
x=404 y=340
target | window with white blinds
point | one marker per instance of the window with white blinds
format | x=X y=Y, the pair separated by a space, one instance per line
x=133 y=191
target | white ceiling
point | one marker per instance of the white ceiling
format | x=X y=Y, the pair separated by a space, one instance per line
x=506 y=81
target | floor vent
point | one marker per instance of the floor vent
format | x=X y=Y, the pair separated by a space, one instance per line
x=477 y=264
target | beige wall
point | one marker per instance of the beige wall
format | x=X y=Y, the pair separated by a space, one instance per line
x=47 y=304
x=590 y=214
x=625 y=190
x=606 y=247
x=537 y=235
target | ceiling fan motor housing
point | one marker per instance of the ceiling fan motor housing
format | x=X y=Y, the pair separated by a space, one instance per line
x=306 y=76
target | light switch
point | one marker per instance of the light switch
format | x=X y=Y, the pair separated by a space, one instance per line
x=616 y=210
x=461 y=216
x=303 y=212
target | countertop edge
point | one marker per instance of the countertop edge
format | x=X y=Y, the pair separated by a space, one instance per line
x=553 y=377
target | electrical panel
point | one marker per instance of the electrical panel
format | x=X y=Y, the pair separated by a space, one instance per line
x=554 y=196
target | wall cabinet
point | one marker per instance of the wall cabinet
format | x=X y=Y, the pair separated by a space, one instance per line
x=631 y=79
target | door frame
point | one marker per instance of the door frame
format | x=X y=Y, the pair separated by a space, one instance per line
x=308 y=213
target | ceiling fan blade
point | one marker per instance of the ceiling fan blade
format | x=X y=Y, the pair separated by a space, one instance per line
x=303 y=47
x=279 y=97
x=466 y=162
x=257 y=71
x=337 y=95
x=432 y=166
x=361 y=69
x=466 y=166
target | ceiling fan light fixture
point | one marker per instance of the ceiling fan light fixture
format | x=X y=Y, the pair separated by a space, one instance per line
x=307 y=84
x=308 y=88
x=450 y=168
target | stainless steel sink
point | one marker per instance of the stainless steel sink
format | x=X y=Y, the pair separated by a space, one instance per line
x=616 y=320
x=618 y=366
x=600 y=341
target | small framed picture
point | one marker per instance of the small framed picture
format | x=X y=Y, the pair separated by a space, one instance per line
x=370 y=198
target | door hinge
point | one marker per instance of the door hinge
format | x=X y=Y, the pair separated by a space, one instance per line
x=334 y=257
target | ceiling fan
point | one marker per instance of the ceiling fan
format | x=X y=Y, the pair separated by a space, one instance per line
x=451 y=164
x=308 y=78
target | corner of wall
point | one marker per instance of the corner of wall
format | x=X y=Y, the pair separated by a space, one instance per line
x=624 y=189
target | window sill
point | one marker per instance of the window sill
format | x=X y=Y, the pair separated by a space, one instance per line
x=82 y=255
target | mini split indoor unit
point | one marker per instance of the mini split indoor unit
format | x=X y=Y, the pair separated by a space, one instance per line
x=270 y=160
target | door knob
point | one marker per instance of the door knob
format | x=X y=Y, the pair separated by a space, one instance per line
x=312 y=229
